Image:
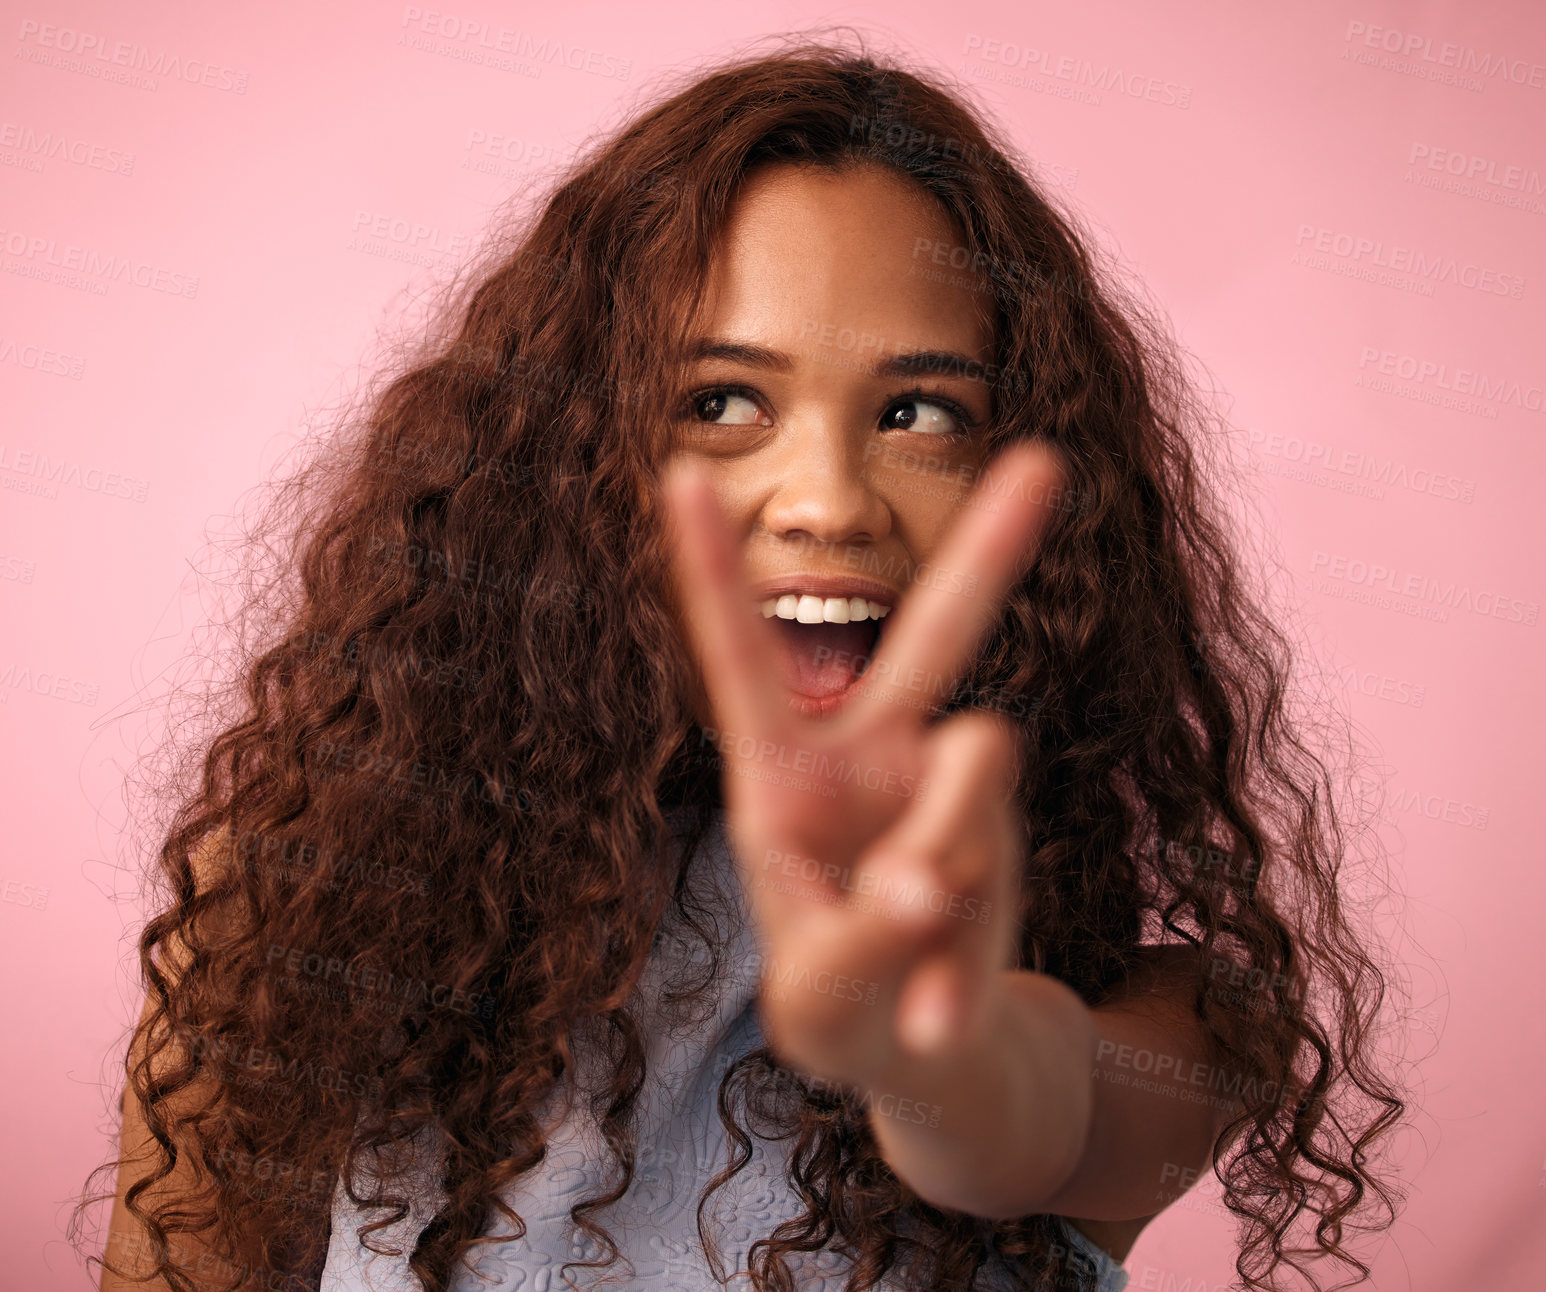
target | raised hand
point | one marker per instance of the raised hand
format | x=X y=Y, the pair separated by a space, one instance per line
x=880 y=854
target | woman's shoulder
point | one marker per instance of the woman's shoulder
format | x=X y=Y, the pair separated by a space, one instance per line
x=1113 y=1242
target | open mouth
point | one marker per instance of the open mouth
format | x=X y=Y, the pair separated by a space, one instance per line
x=824 y=657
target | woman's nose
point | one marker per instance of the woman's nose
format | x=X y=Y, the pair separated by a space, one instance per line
x=824 y=491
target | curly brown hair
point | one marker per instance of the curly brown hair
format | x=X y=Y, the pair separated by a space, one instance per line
x=464 y=733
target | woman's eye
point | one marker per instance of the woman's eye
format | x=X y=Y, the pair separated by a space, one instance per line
x=714 y=406
x=922 y=415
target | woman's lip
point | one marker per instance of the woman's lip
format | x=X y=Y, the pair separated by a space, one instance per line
x=814 y=707
x=825 y=585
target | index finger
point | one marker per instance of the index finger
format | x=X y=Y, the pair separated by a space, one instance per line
x=732 y=643
x=940 y=620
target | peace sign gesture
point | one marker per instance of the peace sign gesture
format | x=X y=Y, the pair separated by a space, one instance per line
x=880 y=855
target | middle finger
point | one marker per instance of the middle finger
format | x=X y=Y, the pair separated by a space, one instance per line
x=936 y=627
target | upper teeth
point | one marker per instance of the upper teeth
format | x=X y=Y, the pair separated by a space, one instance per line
x=814 y=610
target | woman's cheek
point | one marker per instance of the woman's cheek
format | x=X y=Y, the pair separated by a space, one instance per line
x=925 y=502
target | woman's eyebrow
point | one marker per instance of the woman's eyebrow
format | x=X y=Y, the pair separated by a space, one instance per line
x=944 y=363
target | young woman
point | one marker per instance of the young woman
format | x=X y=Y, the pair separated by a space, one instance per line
x=772 y=768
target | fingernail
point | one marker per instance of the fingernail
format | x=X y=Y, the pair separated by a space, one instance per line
x=682 y=473
x=929 y=1026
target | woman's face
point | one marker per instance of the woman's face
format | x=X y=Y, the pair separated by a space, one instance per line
x=826 y=397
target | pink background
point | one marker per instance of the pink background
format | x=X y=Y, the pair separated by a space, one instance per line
x=1269 y=131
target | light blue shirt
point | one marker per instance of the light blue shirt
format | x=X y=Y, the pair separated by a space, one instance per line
x=681 y=1146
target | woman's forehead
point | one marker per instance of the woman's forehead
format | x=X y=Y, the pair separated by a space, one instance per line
x=807 y=251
